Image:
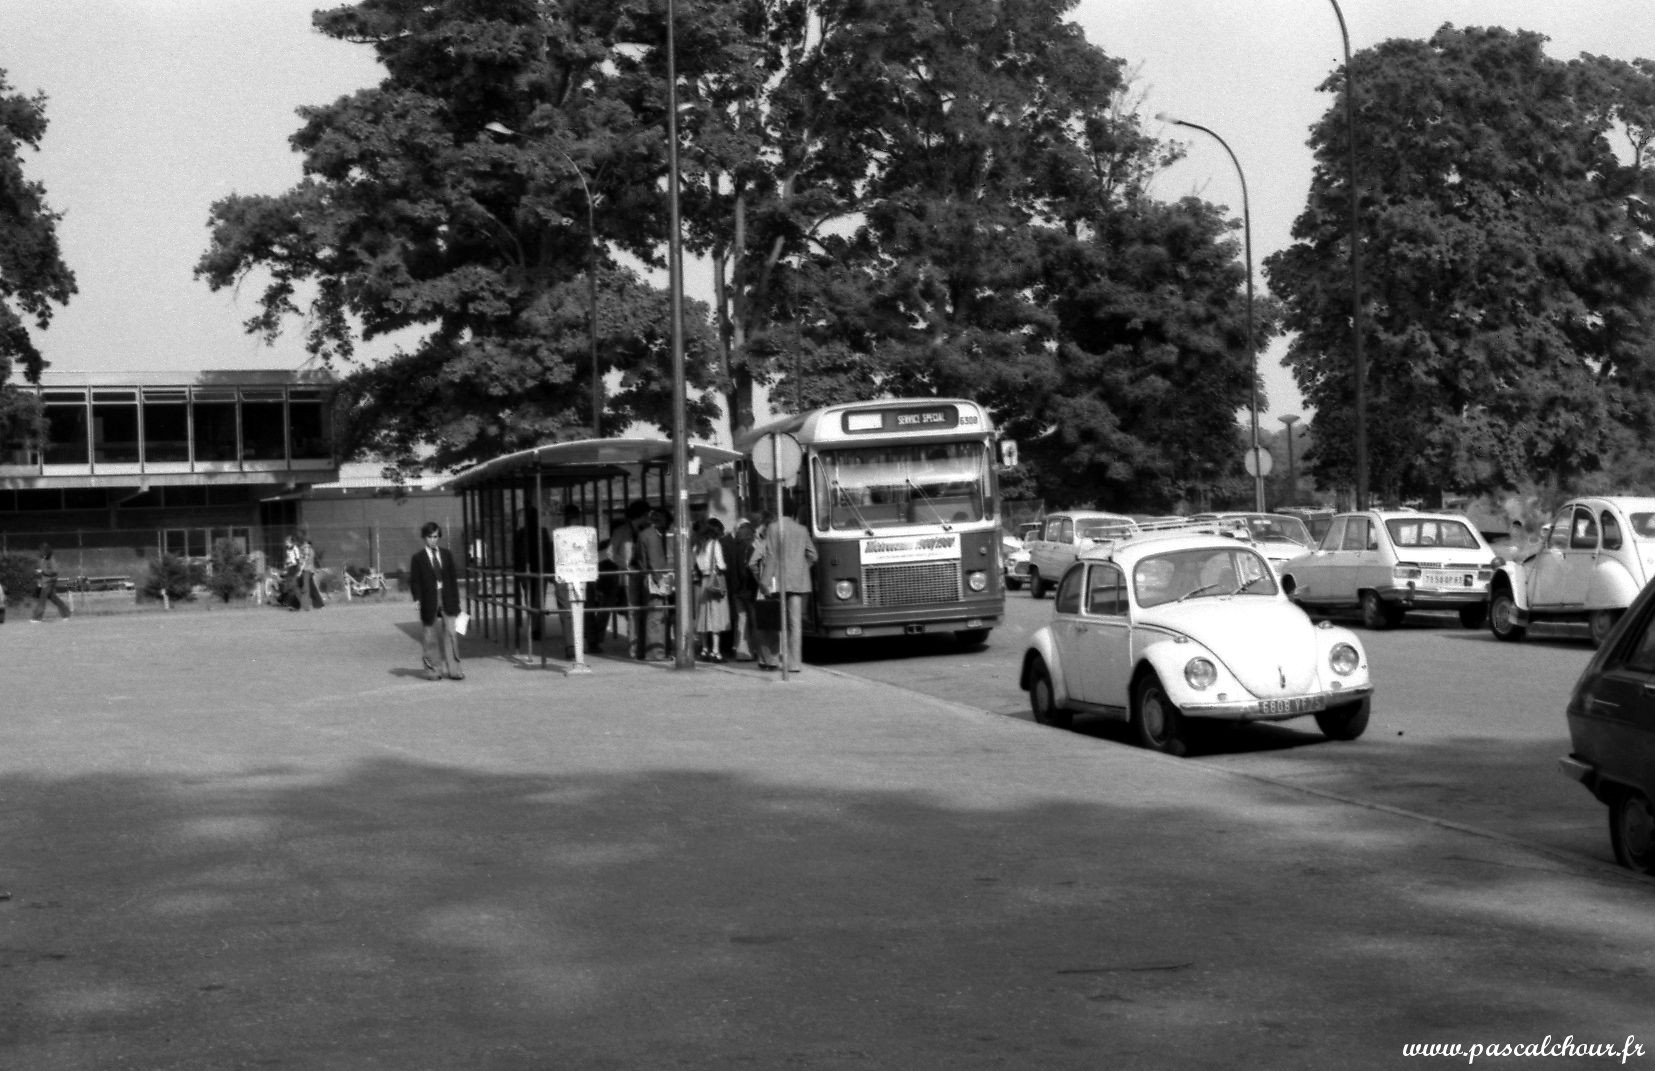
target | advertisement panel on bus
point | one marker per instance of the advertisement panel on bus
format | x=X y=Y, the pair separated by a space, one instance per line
x=901 y=499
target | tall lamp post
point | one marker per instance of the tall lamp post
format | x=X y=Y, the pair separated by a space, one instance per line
x=591 y=296
x=1292 y=477
x=1252 y=344
x=1359 y=370
x=683 y=658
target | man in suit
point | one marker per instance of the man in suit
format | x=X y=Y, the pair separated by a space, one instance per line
x=783 y=555
x=437 y=590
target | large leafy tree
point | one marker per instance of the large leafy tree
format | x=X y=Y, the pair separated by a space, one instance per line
x=446 y=207
x=33 y=276
x=1507 y=300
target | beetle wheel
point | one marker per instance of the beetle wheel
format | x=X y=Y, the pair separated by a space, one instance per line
x=1502 y=609
x=1345 y=722
x=1157 y=723
x=1632 y=832
x=1043 y=699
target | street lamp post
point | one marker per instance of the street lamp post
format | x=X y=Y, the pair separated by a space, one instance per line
x=1252 y=344
x=1359 y=371
x=1292 y=477
x=591 y=297
x=683 y=658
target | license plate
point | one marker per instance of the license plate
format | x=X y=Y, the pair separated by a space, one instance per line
x=1303 y=704
x=1449 y=580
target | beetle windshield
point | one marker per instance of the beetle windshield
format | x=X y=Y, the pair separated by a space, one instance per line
x=1432 y=532
x=1202 y=572
x=874 y=487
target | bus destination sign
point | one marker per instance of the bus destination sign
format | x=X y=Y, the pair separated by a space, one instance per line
x=914 y=418
x=895 y=549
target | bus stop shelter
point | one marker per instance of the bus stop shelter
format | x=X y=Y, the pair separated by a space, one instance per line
x=507 y=501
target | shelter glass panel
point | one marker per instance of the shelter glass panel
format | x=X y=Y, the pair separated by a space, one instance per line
x=115 y=425
x=263 y=426
x=215 y=426
x=309 y=425
x=166 y=425
x=66 y=427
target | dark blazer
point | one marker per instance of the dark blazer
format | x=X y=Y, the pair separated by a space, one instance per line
x=422 y=580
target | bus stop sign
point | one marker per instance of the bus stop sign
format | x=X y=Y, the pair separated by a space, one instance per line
x=777 y=456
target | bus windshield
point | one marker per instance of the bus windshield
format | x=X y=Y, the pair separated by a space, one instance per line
x=873 y=487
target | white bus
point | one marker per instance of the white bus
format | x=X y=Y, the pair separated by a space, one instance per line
x=901 y=499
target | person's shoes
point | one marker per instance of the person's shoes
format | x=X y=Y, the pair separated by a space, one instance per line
x=768 y=665
x=795 y=669
x=715 y=657
x=432 y=675
x=457 y=675
x=744 y=658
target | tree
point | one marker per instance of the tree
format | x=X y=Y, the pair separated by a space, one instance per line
x=444 y=206
x=33 y=276
x=1507 y=301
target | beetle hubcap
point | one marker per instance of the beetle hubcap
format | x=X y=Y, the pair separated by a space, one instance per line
x=1155 y=718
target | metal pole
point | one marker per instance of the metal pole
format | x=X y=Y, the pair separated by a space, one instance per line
x=1252 y=344
x=683 y=600
x=1359 y=368
x=781 y=554
x=1292 y=478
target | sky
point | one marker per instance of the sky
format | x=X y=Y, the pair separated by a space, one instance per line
x=158 y=108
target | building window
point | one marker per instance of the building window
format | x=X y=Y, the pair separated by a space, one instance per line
x=115 y=426
x=311 y=428
x=166 y=425
x=65 y=427
x=263 y=426
x=215 y=426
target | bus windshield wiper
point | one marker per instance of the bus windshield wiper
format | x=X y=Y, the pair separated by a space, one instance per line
x=867 y=529
x=925 y=498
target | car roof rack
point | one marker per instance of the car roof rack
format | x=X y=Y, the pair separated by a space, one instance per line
x=1147 y=530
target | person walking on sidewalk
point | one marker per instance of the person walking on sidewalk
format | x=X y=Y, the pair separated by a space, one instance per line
x=437 y=590
x=782 y=557
x=46 y=576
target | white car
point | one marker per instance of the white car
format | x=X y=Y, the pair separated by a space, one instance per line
x=1163 y=628
x=1385 y=563
x=1598 y=553
x=1281 y=538
x=1014 y=562
x=1065 y=535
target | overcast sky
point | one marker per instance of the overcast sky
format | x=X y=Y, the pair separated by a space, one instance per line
x=159 y=107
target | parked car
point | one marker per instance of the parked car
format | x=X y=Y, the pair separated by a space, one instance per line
x=1596 y=555
x=1064 y=536
x=1388 y=562
x=1611 y=716
x=1014 y=562
x=1316 y=519
x=1163 y=628
x=1278 y=537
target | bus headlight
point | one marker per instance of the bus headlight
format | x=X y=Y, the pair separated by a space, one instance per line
x=1343 y=659
x=1200 y=673
x=977 y=581
x=845 y=590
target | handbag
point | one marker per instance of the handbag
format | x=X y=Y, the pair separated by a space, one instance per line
x=714 y=588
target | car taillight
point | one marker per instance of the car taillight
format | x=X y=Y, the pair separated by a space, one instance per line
x=1405 y=571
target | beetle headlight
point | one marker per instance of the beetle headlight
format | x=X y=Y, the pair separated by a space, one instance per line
x=1343 y=659
x=976 y=581
x=1201 y=673
x=845 y=589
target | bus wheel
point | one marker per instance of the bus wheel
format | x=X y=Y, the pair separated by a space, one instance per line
x=972 y=637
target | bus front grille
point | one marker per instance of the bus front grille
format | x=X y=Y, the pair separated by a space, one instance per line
x=911 y=584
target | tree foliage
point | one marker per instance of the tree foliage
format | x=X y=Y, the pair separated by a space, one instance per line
x=33 y=276
x=1507 y=298
x=904 y=197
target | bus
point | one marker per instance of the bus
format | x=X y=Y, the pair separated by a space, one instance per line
x=901 y=499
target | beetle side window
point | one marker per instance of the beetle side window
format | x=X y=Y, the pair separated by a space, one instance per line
x=1611 y=531
x=1068 y=592
x=1106 y=591
x=1356 y=533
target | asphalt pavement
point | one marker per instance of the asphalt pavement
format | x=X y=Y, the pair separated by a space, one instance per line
x=252 y=838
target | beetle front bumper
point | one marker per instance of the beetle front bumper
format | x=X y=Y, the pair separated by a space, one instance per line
x=1279 y=708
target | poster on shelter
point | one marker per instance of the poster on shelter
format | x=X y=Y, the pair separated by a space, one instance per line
x=575 y=550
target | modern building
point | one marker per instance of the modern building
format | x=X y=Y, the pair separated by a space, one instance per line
x=137 y=463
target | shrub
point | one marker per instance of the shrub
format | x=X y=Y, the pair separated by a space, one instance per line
x=231 y=574
x=175 y=576
x=17 y=577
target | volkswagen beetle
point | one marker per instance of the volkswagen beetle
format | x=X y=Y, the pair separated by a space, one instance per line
x=1160 y=629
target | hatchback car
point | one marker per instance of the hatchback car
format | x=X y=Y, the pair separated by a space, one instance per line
x=1160 y=629
x=1386 y=563
x=1014 y=562
x=1064 y=535
x=1611 y=716
x=1598 y=553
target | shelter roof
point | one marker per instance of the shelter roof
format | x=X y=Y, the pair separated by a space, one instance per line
x=584 y=458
